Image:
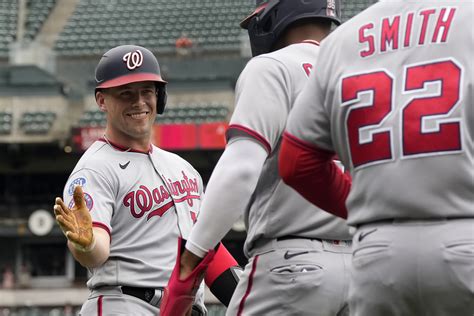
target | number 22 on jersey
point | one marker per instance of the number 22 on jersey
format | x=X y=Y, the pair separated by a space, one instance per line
x=415 y=138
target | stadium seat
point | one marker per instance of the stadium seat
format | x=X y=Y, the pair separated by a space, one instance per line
x=92 y=118
x=5 y=123
x=38 y=11
x=171 y=18
x=194 y=113
x=37 y=122
x=351 y=8
x=8 y=20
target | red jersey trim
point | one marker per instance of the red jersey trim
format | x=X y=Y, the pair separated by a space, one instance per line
x=104 y=227
x=127 y=149
x=311 y=42
x=99 y=305
x=251 y=133
x=249 y=286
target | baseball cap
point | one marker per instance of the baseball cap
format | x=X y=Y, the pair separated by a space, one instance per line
x=126 y=64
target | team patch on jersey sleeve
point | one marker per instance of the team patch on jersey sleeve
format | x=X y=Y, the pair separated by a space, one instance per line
x=89 y=201
x=78 y=181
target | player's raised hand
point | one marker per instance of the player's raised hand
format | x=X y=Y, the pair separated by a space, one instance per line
x=75 y=222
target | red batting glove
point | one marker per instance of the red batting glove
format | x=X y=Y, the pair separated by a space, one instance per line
x=178 y=297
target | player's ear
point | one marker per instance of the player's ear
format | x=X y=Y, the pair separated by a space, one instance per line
x=100 y=100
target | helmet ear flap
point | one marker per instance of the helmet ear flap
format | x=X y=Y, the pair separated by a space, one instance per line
x=161 y=98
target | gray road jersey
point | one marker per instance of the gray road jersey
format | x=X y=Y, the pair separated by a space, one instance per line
x=393 y=96
x=265 y=92
x=128 y=198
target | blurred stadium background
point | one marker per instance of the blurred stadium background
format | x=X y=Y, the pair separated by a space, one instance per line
x=48 y=117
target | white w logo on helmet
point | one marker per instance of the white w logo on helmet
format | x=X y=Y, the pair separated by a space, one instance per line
x=133 y=59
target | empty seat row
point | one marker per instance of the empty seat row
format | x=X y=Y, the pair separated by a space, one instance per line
x=32 y=123
x=38 y=12
x=208 y=23
x=193 y=114
x=5 y=123
x=37 y=122
x=353 y=7
x=8 y=20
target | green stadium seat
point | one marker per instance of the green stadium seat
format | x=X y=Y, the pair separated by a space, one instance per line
x=5 y=123
x=37 y=122
x=196 y=18
x=37 y=13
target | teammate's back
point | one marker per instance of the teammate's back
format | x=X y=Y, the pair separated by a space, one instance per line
x=405 y=90
x=282 y=75
x=394 y=99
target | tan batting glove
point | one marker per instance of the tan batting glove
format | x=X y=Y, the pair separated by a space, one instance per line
x=76 y=222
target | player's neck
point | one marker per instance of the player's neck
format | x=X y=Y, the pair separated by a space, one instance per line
x=300 y=33
x=126 y=142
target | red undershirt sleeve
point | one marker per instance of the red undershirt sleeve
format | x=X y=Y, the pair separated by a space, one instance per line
x=220 y=277
x=223 y=260
x=312 y=172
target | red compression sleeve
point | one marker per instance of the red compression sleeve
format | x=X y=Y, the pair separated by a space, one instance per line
x=223 y=260
x=312 y=172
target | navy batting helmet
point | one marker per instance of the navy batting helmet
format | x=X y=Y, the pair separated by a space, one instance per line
x=272 y=17
x=129 y=63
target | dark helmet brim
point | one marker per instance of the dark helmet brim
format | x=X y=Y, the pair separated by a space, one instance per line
x=137 y=77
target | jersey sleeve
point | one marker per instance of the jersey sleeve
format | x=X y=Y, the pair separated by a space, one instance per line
x=309 y=120
x=262 y=102
x=98 y=194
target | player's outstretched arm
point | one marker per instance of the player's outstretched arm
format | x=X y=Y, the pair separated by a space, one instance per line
x=228 y=193
x=90 y=246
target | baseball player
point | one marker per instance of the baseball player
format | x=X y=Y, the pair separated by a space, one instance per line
x=298 y=254
x=393 y=98
x=127 y=202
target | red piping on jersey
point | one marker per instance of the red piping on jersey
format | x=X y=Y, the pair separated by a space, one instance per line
x=253 y=134
x=99 y=305
x=311 y=42
x=104 y=227
x=249 y=286
x=127 y=149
